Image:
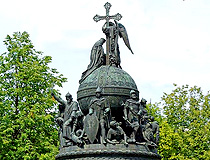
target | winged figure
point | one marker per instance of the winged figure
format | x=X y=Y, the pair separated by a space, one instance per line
x=113 y=31
x=123 y=34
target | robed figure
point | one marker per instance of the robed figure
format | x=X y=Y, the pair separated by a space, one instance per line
x=97 y=58
x=113 y=31
x=69 y=110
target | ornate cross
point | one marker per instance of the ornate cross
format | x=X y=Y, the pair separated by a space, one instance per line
x=107 y=18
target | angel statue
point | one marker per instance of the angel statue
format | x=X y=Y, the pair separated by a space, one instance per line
x=113 y=31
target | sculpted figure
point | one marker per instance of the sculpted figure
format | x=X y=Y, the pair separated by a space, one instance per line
x=131 y=114
x=116 y=134
x=113 y=31
x=148 y=137
x=100 y=109
x=97 y=58
x=155 y=130
x=144 y=118
x=70 y=108
x=77 y=135
x=148 y=134
x=60 y=120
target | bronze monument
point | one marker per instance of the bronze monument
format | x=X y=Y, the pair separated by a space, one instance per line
x=109 y=121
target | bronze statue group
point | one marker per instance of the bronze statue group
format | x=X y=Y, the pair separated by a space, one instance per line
x=99 y=126
x=131 y=124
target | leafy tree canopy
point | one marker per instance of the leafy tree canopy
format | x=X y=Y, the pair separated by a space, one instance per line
x=184 y=124
x=27 y=128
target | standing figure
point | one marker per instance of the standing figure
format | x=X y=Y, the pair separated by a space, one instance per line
x=69 y=116
x=60 y=120
x=131 y=114
x=100 y=109
x=144 y=118
x=113 y=31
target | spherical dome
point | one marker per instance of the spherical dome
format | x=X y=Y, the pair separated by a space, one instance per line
x=116 y=85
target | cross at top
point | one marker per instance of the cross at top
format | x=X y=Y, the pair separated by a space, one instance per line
x=107 y=6
x=97 y=18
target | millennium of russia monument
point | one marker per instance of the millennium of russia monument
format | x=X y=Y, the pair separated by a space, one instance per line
x=108 y=121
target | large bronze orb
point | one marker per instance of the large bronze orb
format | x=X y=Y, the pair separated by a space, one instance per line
x=116 y=85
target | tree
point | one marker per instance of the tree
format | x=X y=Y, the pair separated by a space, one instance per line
x=155 y=111
x=27 y=127
x=184 y=132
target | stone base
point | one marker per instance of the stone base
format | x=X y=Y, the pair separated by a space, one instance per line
x=115 y=152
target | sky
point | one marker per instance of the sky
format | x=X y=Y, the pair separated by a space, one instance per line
x=170 y=39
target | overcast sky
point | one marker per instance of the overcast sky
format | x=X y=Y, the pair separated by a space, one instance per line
x=170 y=39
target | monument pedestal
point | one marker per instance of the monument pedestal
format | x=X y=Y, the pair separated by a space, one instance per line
x=115 y=152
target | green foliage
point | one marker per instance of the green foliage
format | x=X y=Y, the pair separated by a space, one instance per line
x=155 y=111
x=184 y=132
x=27 y=127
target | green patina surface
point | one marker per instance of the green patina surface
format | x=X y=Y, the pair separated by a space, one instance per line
x=115 y=82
